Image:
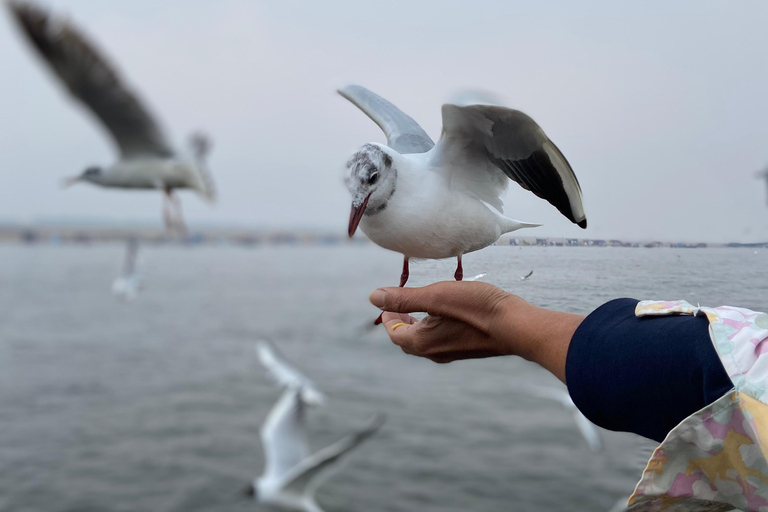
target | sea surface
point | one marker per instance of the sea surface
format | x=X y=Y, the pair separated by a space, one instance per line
x=155 y=405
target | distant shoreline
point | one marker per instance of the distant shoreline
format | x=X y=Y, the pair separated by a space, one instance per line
x=71 y=235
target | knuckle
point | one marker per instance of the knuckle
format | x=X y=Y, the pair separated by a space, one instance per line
x=499 y=303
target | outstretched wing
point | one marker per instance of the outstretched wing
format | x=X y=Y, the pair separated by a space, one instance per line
x=588 y=431
x=286 y=375
x=284 y=435
x=91 y=79
x=404 y=135
x=312 y=472
x=131 y=256
x=510 y=144
x=586 y=427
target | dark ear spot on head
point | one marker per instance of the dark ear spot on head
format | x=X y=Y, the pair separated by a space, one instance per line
x=387 y=160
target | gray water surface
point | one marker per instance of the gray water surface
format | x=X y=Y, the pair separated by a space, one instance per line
x=155 y=405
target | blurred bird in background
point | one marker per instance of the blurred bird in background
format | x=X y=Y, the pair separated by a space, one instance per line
x=291 y=475
x=127 y=286
x=146 y=159
x=587 y=429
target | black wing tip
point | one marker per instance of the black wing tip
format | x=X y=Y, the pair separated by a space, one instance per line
x=582 y=224
x=34 y=22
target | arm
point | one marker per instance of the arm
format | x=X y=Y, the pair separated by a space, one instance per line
x=471 y=320
x=641 y=375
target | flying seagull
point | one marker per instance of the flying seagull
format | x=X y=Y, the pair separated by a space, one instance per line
x=146 y=159
x=435 y=201
x=291 y=475
x=526 y=276
x=127 y=286
x=762 y=175
x=586 y=428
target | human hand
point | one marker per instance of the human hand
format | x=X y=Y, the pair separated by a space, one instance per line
x=472 y=320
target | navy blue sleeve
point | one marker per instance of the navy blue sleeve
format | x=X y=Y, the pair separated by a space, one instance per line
x=642 y=375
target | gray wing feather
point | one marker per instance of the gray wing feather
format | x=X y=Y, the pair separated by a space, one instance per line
x=284 y=374
x=404 y=135
x=91 y=79
x=514 y=144
x=284 y=435
x=308 y=476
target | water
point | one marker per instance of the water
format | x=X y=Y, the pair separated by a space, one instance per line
x=155 y=405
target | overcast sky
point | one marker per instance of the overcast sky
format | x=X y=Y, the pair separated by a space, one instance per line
x=660 y=107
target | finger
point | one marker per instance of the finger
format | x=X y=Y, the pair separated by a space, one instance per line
x=472 y=302
x=394 y=322
x=399 y=317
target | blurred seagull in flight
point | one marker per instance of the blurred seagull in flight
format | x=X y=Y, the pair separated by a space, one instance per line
x=146 y=159
x=435 y=201
x=763 y=175
x=586 y=428
x=291 y=475
x=526 y=276
x=127 y=286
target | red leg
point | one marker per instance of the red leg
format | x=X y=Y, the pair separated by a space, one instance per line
x=403 y=280
x=459 y=275
x=405 y=274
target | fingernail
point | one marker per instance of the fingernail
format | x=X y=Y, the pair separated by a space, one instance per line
x=377 y=298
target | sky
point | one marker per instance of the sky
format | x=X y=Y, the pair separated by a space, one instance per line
x=660 y=107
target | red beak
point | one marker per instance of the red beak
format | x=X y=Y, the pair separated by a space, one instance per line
x=356 y=215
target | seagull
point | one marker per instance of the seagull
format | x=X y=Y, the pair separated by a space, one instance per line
x=526 y=276
x=620 y=505
x=587 y=428
x=127 y=286
x=762 y=175
x=435 y=201
x=291 y=475
x=146 y=159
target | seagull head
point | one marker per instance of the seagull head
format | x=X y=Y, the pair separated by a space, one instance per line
x=371 y=181
x=92 y=174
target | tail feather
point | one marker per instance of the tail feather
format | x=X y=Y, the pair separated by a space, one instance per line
x=513 y=225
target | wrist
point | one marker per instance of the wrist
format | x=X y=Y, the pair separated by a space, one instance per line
x=537 y=334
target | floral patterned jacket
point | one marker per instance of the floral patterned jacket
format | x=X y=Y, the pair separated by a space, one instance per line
x=717 y=458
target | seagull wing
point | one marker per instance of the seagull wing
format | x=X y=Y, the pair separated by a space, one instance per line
x=131 y=256
x=509 y=144
x=286 y=375
x=91 y=79
x=588 y=431
x=404 y=135
x=526 y=276
x=284 y=435
x=312 y=472
x=586 y=427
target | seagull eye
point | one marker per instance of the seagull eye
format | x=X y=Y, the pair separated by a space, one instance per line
x=373 y=179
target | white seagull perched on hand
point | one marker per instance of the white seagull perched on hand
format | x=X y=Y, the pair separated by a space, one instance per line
x=291 y=475
x=146 y=159
x=435 y=201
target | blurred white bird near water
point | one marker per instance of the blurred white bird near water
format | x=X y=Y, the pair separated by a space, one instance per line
x=291 y=475
x=436 y=201
x=127 y=286
x=586 y=428
x=526 y=276
x=147 y=160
